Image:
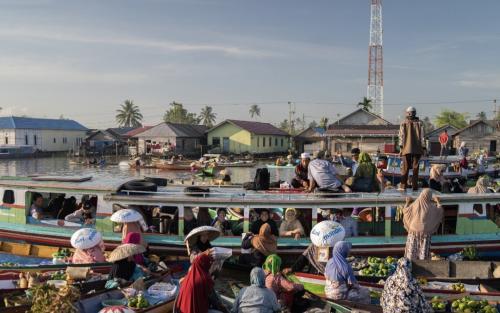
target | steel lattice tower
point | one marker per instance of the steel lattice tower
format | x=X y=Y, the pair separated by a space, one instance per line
x=375 y=90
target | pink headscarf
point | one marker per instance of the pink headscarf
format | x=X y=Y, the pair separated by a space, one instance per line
x=133 y=227
x=91 y=255
x=136 y=239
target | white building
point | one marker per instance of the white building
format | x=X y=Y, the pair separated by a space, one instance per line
x=40 y=133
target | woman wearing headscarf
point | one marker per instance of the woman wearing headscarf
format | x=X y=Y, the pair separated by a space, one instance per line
x=421 y=219
x=481 y=185
x=365 y=178
x=124 y=266
x=282 y=287
x=261 y=245
x=220 y=222
x=133 y=227
x=291 y=226
x=341 y=284
x=436 y=179
x=202 y=245
x=256 y=297
x=196 y=294
x=135 y=238
x=402 y=293
x=463 y=151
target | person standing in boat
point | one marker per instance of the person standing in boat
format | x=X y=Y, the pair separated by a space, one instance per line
x=256 y=297
x=411 y=144
x=443 y=141
x=301 y=179
x=291 y=226
x=402 y=293
x=259 y=246
x=265 y=218
x=322 y=175
x=421 y=219
x=341 y=284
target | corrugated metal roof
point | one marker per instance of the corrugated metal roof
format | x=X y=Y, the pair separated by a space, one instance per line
x=334 y=130
x=137 y=131
x=258 y=128
x=173 y=129
x=16 y=122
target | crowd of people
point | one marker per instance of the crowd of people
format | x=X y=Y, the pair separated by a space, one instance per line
x=61 y=208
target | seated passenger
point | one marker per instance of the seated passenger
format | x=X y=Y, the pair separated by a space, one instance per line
x=481 y=185
x=55 y=205
x=301 y=180
x=322 y=174
x=221 y=223
x=260 y=246
x=365 y=179
x=344 y=218
x=284 y=289
x=190 y=221
x=203 y=217
x=82 y=215
x=124 y=266
x=291 y=226
x=341 y=284
x=436 y=179
x=36 y=209
x=351 y=164
x=68 y=207
x=264 y=218
x=93 y=254
x=256 y=297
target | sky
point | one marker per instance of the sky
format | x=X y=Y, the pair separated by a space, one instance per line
x=82 y=59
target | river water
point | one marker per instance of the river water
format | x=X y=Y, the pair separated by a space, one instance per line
x=61 y=166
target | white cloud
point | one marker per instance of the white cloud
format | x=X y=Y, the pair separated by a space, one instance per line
x=30 y=70
x=482 y=80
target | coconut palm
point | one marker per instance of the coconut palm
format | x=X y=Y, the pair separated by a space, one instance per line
x=366 y=104
x=129 y=115
x=323 y=122
x=254 y=110
x=207 y=116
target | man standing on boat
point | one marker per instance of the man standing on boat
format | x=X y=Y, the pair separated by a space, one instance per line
x=443 y=140
x=411 y=144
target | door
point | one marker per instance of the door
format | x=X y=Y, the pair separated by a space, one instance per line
x=225 y=145
x=493 y=146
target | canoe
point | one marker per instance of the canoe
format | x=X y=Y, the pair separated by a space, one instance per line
x=290 y=166
x=237 y=164
x=315 y=284
x=172 y=167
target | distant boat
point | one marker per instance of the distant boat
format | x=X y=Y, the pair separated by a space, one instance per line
x=8 y=151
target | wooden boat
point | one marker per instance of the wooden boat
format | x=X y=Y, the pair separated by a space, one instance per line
x=469 y=219
x=392 y=170
x=171 y=166
x=281 y=167
x=237 y=164
x=315 y=284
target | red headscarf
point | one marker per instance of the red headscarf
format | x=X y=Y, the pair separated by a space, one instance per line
x=196 y=287
x=136 y=239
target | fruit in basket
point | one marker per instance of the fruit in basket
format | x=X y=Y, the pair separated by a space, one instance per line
x=458 y=287
x=469 y=305
x=438 y=304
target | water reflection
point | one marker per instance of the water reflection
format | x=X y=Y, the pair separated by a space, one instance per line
x=61 y=166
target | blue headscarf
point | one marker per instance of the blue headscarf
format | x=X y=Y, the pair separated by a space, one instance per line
x=257 y=277
x=337 y=268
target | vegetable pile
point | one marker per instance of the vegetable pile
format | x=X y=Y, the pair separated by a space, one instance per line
x=469 y=305
x=458 y=287
x=438 y=304
x=138 y=302
x=47 y=298
x=380 y=267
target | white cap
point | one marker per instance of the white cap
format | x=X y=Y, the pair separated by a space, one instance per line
x=411 y=109
x=305 y=155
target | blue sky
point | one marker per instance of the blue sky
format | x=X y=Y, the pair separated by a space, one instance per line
x=83 y=58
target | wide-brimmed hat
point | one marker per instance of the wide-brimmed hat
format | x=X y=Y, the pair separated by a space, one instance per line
x=126 y=216
x=116 y=309
x=212 y=232
x=327 y=233
x=85 y=238
x=125 y=250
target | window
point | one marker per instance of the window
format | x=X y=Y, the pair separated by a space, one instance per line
x=348 y=147
x=6 y=140
x=8 y=197
x=54 y=140
x=276 y=142
x=215 y=141
x=282 y=142
x=26 y=139
x=270 y=141
x=258 y=142
x=338 y=147
x=263 y=141
x=34 y=140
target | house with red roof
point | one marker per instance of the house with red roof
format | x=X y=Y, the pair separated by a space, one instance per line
x=238 y=137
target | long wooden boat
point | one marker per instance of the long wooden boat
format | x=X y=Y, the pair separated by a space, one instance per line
x=469 y=219
x=315 y=284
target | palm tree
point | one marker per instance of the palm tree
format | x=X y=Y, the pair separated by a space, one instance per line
x=207 y=116
x=323 y=122
x=366 y=104
x=254 y=110
x=481 y=116
x=129 y=115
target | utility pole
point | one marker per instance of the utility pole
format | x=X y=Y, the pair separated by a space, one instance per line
x=291 y=113
x=495 y=109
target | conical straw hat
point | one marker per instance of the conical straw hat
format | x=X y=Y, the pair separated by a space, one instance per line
x=124 y=251
x=85 y=238
x=193 y=235
x=126 y=216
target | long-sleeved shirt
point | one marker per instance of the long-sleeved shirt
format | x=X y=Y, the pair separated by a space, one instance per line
x=324 y=174
x=411 y=136
x=254 y=299
x=350 y=226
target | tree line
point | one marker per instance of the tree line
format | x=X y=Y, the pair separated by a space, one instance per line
x=129 y=115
